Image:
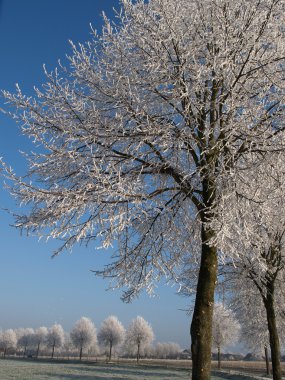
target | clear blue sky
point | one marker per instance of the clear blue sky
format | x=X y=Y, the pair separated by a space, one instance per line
x=35 y=289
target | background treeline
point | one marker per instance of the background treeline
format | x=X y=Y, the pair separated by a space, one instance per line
x=84 y=340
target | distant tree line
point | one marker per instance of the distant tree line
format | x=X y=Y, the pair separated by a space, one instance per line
x=83 y=341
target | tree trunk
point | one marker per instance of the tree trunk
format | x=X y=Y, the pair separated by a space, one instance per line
x=219 y=357
x=110 y=352
x=80 y=353
x=38 y=350
x=273 y=333
x=52 y=352
x=201 y=327
x=138 y=353
x=5 y=350
x=267 y=360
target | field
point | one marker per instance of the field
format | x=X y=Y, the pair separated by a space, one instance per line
x=17 y=369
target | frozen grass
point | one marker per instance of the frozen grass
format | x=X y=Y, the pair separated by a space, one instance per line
x=31 y=370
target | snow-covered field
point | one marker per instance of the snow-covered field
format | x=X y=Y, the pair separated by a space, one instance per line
x=29 y=370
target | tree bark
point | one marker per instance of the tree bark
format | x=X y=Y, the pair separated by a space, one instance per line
x=52 y=352
x=80 y=353
x=201 y=327
x=219 y=357
x=110 y=352
x=138 y=353
x=273 y=333
x=267 y=360
x=38 y=350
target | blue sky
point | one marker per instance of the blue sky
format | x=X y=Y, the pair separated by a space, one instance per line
x=35 y=289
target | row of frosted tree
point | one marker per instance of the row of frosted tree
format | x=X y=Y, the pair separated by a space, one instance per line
x=166 y=135
x=83 y=338
x=228 y=328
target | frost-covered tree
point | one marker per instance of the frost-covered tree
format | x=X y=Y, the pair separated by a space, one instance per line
x=68 y=347
x=168 y=350
x=25 y=338
x=263 y=320
x=83 y=335
x=145 y=128
x=55 y=337
x=139 y=334
x=148 y=351
x=251 y=313
x=111 y=333
x=39 y=338
x=8 y=340
x=256 y=227
x=225 y=328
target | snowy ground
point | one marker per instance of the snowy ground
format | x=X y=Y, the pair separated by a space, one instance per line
x=31 y=370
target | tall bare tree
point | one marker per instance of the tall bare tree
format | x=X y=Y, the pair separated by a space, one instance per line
x=25 y=338
x=251 y=313
x=225 y=328
x=145 y=128
x=83 y=335
x=39 y=338
x=139 y=334
x=55 y=337
x=255 y=220
x=8 y=340
x=111 y=333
